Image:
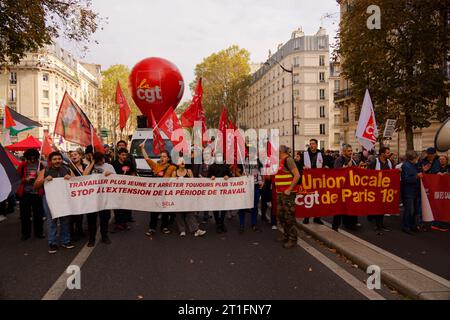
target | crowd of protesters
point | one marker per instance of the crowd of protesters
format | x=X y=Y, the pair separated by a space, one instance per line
x=268 y=195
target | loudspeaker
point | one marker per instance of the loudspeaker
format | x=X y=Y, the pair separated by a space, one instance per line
x=442 y=140
x=142 y=122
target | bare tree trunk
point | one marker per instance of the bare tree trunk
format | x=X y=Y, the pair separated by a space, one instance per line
x=409 y=134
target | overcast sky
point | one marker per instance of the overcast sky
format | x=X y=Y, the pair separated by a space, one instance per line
x=186 y=31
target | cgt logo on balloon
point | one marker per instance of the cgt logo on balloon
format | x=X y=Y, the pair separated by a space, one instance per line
x=156 y=85
x=149 y=89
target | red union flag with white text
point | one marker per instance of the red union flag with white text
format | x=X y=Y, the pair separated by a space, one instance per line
x=367 y=132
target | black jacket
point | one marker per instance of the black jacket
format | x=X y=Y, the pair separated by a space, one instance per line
x=219 y=170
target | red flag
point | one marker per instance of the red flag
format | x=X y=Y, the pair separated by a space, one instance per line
x=47 y=145
x=230 y=150
x=73 y=124
x=124 y=108
x=195 y=112
x=223 y=120
x=98 y=145
x=168 y=124
x=158 y=141
x=367 y=131
x=9 y=120
x=223 y=128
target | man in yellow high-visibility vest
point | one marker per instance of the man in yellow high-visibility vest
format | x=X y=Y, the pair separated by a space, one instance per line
x=286 y=183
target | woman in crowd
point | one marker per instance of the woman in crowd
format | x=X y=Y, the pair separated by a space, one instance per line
x=161 y=169
x=76 y=222
x=98 y=165
x=188 y=219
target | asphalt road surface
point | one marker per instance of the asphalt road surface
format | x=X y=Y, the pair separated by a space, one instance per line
x=216 y=267
x=429 y=250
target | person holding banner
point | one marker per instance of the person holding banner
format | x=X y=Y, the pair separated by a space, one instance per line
x=410 y=191
x=184 y=218
x=162 y=169
x=431 y=165
x=122 y=144
x=382 y=162
x=77 y=167
x=98 y=165
x=30 y=198
x=444 y=168
x=313 y=159
x=254 y=170
x=286 y=184
x=345 y=161
x=219 y=170
x=56 y=169
x=123 y=166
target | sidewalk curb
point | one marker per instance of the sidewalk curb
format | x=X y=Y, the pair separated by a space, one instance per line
x=407 y=281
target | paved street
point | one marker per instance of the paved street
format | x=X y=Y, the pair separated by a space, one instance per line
x=230 y=266
x=429 y=250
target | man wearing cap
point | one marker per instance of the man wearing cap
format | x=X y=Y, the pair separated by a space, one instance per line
x=430 y=165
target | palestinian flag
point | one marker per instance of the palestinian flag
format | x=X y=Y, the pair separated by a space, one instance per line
x=17 y=123
x=10 y=179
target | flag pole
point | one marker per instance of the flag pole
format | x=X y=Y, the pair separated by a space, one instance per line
x=240 y=155
x=92 y=139
x=71 y=162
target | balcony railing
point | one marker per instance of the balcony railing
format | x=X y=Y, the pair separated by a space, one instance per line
x=343 y=94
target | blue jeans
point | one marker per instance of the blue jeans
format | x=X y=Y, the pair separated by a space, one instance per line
x=411 y=206
x=254 y=210
x=52 y=227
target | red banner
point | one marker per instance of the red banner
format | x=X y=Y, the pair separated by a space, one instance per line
x=349 y=191
x=436 y=197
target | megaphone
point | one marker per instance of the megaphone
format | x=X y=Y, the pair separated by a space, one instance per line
x=442 y=140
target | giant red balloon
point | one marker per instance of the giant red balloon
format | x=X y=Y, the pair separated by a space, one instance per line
x=156 y=85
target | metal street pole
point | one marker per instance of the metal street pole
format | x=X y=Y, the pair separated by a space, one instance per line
x=291 y=71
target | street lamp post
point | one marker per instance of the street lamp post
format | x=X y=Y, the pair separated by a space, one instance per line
x=291 y=71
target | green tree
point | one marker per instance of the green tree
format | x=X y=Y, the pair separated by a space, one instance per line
x=28 y=25
x=402 y=63
x=226 y=78
x=107 y=95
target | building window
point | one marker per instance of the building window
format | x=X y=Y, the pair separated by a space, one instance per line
x=322 y=94
x=46 y=112
x=282 y=83
x=296 y=62
x=45 y=77
x=322 y=111
x=337 y=85
x=12 y=95
x=282 y=97
x=45 y=94
x=322 y=43
x=296 y=93
x=296 y=78
x=321 y=61
x=13 y=78
x=337 y=138
x=322 y=76
x=322 y=129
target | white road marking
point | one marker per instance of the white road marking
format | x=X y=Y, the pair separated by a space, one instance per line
x=58 y=288
x=342 y=273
